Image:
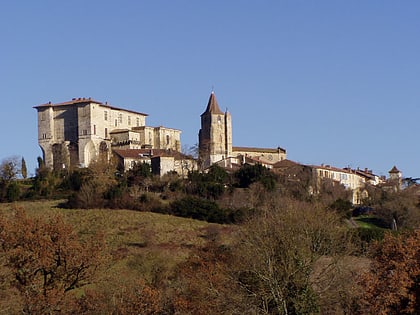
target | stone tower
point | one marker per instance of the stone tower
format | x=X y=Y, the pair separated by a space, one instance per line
x=215 y=136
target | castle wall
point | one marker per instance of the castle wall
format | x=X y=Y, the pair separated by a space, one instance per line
x=75 y=133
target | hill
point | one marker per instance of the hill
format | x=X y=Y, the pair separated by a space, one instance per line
x=139 y=245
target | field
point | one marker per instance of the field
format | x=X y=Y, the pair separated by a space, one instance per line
x=139 y=245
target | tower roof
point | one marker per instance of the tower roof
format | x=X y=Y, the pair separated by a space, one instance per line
x=394 y=170
x=212 y=106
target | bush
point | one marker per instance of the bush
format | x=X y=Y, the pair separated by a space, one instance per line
x=202 y=209
x=13 y=191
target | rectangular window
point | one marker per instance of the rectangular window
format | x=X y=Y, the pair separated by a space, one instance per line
x=138 y=122
x=116 y=122
x=106 y=132
x=84 y=132
x=120 y=118
x=106 y=115
x=129 y=120
x=94 y=129
x=43 y=116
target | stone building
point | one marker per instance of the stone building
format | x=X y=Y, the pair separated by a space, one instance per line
x=74 y=133
x=162 y=161
x=215 y=141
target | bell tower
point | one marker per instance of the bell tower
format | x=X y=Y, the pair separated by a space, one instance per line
x=215 y=136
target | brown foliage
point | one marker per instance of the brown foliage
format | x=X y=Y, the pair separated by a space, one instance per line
x=47 y=259
x=392 y=285
x=278 y=251
x=206 y=284
x=401 y=206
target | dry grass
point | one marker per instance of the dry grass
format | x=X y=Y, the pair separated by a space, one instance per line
x=139 y=244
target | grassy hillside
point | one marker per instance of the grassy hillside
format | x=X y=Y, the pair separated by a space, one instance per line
x=139 y=245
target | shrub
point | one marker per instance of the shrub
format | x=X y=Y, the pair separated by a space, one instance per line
x=202 y=209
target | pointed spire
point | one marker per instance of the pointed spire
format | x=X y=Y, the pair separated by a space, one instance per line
x=394 y=170
x=213 y=106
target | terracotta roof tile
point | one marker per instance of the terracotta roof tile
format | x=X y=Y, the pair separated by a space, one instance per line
x=84 y=100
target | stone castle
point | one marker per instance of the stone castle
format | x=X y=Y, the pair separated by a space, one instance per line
x=74 y=133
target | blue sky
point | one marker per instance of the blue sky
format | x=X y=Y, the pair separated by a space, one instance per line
x=334 y=82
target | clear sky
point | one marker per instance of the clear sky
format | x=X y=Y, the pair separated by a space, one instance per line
x=333 y=82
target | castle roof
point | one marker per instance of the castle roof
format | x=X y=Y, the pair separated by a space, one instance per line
x=84 y=100
x=212 y=106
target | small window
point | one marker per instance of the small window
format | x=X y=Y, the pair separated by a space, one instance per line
x=94 y=129
x=106 y=115
x=129 y=120
x=43 y=116
x=120 y=118
x=106 y=132
x=84 y=132
x=167 y=139
x=138 y=122
x=116 y=122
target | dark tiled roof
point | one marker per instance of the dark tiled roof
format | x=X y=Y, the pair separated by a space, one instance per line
x=84 y=100
x=213 y=106
x=249 y=149
x=120 y=130
x=394 y=170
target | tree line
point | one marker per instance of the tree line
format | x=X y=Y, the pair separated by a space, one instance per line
x=294 y=252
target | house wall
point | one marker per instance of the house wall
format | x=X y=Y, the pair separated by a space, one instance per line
x=269 y=156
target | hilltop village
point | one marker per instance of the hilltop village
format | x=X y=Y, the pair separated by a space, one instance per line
x=72 y=134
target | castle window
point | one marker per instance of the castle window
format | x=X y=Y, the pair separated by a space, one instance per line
x=43 y=116
x=94 y=129
x=167 y=139
x=84 y=132
x=138 y=121
x=106 y=132
x=116 y=122
x=106 y=115
x=129 y=120
x=120 y=118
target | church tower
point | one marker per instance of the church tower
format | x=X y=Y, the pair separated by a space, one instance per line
x=215 y=136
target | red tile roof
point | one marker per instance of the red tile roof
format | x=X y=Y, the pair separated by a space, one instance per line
x=285 y=164
x=84 y=100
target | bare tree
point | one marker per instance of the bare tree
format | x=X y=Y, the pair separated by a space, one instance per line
x=279 y=250
x=9 y=168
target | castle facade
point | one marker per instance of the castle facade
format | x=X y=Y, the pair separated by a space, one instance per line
x=74 y=133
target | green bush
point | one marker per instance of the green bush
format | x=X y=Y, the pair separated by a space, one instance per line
x=13 y=191
x=202 y=209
